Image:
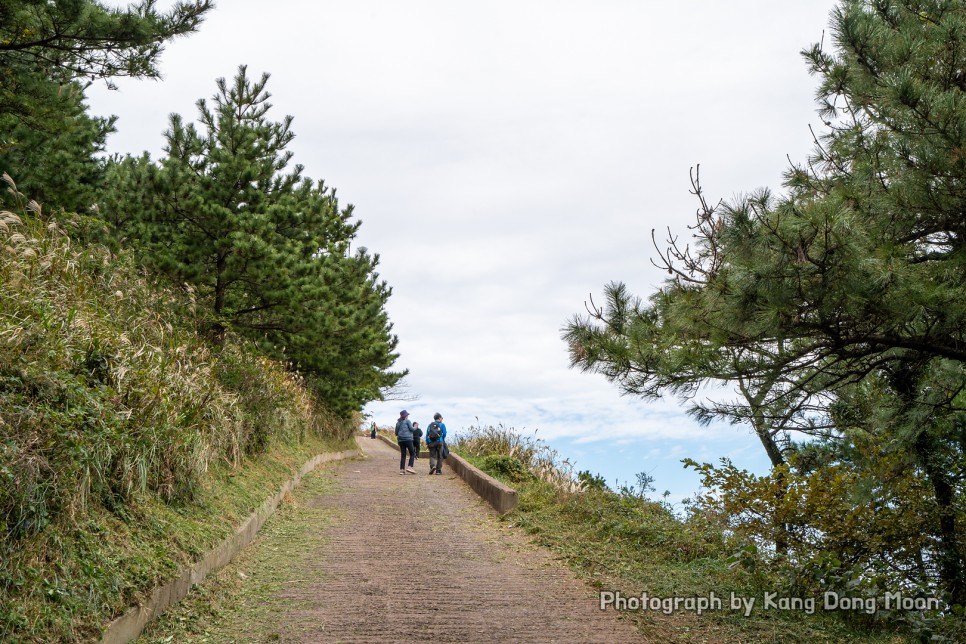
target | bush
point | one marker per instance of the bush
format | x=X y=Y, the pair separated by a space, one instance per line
x=508 y=468
x=591 y=481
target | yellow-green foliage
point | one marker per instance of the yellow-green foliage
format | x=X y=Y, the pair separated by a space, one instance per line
x=835 y=527
x=835 y=530
x=111 y=405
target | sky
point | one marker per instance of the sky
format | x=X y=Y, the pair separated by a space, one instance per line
x=508 y=159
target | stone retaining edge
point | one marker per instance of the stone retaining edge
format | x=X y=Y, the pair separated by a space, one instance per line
x=128 y=626
x=502 y=497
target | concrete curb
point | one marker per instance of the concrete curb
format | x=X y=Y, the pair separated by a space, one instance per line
x=500 y=496
x=128 y=626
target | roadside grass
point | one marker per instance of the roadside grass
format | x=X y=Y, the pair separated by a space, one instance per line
x=72 y=579
x=627 y=543
x=635 y=546
x=241 y=602
x=129 y=445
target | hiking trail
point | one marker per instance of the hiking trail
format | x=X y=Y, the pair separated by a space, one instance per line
x=362 y=554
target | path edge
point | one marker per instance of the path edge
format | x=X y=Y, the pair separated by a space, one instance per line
x=129 y=626
x=500 y=496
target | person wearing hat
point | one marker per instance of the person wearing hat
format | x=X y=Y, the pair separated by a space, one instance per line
x=404 y=436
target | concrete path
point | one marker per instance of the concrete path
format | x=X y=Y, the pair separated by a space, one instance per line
x=422 y=558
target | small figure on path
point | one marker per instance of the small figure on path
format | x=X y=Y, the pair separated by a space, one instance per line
x=404 y=436
x=372 y=434
x=436 y=442
x=417 y=434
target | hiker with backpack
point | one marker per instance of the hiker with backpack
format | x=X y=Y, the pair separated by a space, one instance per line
x=417 y=434
x=404 y=437
x=436 y=442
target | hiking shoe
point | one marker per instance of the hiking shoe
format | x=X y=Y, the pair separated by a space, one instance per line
x=401 y=472
x=410 y=470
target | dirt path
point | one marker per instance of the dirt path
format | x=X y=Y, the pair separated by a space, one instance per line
x=350 y=560
x=483 y=583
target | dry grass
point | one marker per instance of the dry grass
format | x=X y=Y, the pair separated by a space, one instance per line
x=108 y=400
x=534 y=454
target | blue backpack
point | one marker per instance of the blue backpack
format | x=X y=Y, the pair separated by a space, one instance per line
x=432 y=432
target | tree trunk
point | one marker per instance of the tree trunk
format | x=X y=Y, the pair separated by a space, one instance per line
x=777 y=460
x=218 y=328
x=952 y=571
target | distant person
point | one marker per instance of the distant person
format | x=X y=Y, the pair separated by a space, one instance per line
x=404 y=436
x=436 y=442
x=417 y=434
x=372 y=434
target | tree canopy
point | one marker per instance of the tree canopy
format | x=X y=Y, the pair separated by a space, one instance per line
x=84 y=39
x=267 y=250
x=839 y=306
x=49 y=51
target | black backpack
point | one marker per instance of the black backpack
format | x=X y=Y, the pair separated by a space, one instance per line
x=432 y=432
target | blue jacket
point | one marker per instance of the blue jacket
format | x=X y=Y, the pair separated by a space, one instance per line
x=404 y=430
x=442 y=433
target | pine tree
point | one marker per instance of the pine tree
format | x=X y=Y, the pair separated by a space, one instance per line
x=267 y=250
x=56 y=158
x=49 y=51
x=67 y=40
x=853 y=280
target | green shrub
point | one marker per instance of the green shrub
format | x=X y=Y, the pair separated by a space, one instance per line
x=508 y=468
x=591 y=481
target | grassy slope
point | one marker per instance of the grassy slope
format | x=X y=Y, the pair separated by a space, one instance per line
x=128 y=446
x=74 y=578
x=630 y=545
x=237 y=604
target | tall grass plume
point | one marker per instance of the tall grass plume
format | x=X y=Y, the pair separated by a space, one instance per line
x=108 y=398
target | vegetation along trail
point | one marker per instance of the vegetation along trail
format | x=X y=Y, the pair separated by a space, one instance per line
x=363 y=554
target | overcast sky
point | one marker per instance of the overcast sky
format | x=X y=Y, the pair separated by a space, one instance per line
x=507 y=160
